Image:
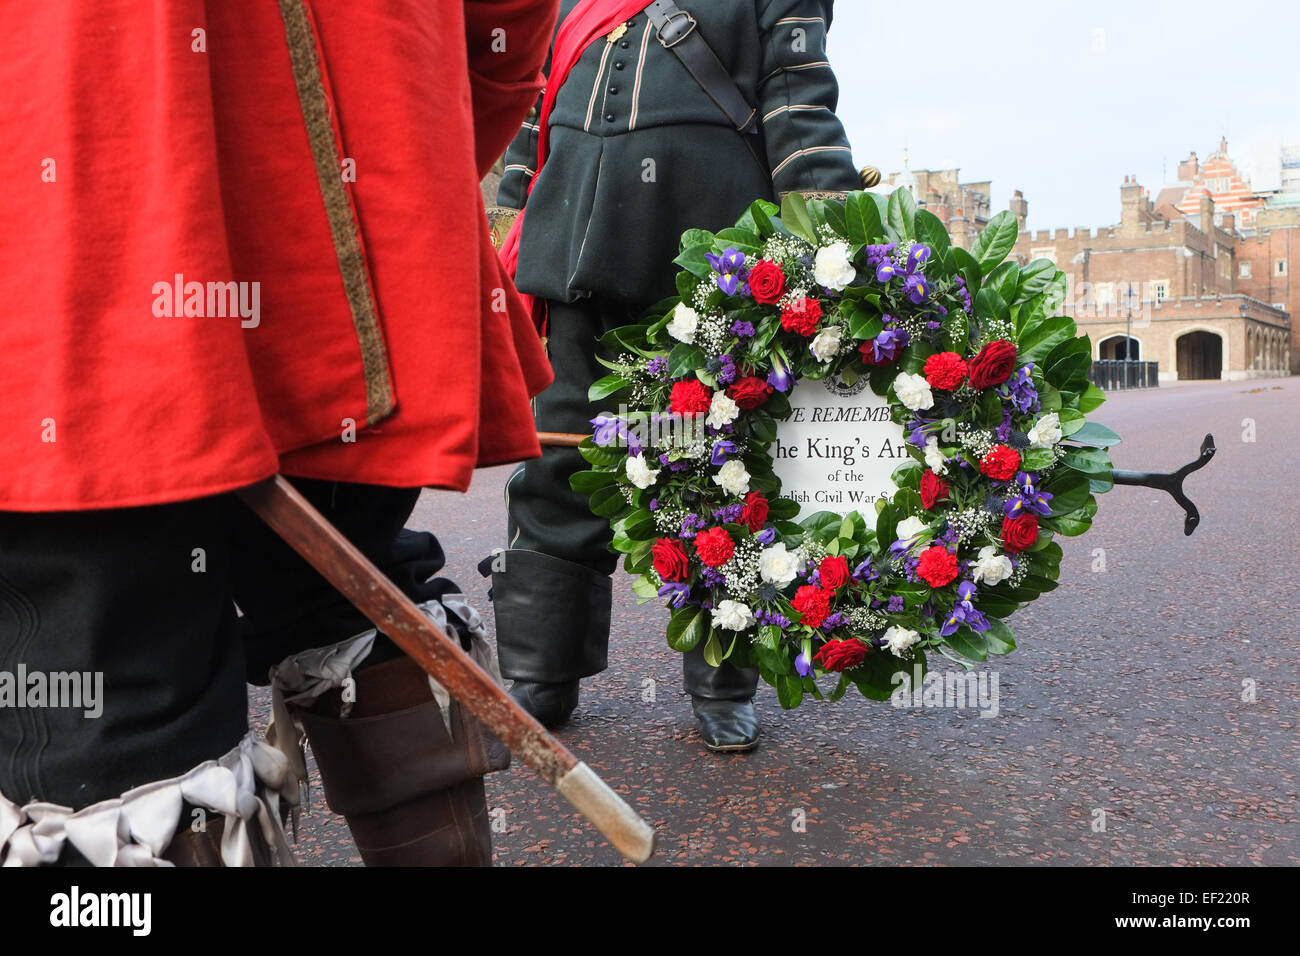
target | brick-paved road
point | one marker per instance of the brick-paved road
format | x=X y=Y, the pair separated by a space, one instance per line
x=1124 y=697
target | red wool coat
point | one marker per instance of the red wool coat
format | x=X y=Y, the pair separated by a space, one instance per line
x=313 y=161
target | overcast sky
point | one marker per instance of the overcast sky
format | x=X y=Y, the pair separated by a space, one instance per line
x=1062 y=100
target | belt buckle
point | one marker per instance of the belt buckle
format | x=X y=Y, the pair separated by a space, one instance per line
x=689 y=29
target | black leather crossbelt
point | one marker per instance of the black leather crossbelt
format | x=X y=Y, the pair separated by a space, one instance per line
x=678 y=32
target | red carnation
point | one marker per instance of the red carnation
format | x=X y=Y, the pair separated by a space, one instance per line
x=933 y=488
x=670 y=559
x=750 y=392
x=754 y=516
x=834 y=572
x=994 y=364
x=766 y=281
x=937 y=566
x=714 y=547
x=690 y=398
x=1001 y=463
x=802 y=317
x=841 y=655
x=1019 y=534
x=945 y=371
x=813 y=603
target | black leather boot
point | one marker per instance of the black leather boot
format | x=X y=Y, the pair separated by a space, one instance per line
x=552 y=621
x=723 y=701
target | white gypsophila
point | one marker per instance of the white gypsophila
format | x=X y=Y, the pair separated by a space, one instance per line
x=826 y=345
x=723 y=410
x=900 y=639
x=683 y=324
x=639 y=473
x=977 y=441
x=733 y=616
x=934 y=458
x=778 y=566
x=1046 y=431
x=733 y=478
x=909 y=528
x=913 y=391
x=990 y=567
x=833 y=266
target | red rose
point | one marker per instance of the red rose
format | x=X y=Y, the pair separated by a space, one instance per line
x=1001 y=463
x=670 y=559
x=841 y=655
x=766 y=281
x=813 y=603
x=714 y=547
x=834 y=572
x=937 y=567
x=945 y=371
x=1020 y=533
x=749 y=393
x=933 y=488
x=802 y=317
x=755 y=514
x=690 y=398
x=994 y=364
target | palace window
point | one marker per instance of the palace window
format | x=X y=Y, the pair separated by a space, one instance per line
x=1159 y=289
x=1244 y=270
x=1281 y=267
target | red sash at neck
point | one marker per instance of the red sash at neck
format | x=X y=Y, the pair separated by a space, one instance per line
x=587 y=22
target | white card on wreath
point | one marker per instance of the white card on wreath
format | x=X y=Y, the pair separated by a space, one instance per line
x=838 y=448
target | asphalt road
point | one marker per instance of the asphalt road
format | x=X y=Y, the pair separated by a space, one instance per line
x=1149 y=715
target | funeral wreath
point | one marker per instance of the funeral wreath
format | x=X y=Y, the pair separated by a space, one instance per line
x=987 y=384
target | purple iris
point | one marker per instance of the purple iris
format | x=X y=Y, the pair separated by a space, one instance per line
x=743 y=330
x=731 y=270
x=917 y=289
x=917 y=255
x=889 y=343
x=721 y=450
x=677 y=594
x=767 y=536
x=1020 y=391
x=609 y=429
x=964 y=612
x=780 y=378
x=803 y=664
x=1029 y=498
x=865 y=572
x=886 y=271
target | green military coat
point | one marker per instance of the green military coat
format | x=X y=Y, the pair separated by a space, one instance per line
x=639 y=153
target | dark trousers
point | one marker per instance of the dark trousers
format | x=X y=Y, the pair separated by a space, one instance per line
x=147 y=596
x=546 y=515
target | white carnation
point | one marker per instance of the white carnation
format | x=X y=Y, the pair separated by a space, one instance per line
x=909 y=528
x=833 y=268
x=1046 y=431
x=899 y=639
x=827 y=343
x=934 y=457
x=913 y=391
x=778 y=566
x=684 y=322
x=723 y=411
x=733 y=477
x=639 y=473
x=733 y=616
x=990 y=567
